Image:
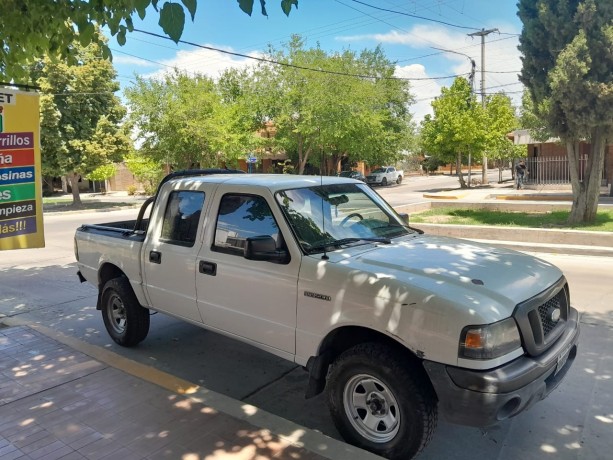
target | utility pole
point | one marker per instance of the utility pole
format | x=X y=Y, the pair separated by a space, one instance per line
x=483 y=33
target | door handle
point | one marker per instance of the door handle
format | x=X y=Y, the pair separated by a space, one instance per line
x=155 y=257
x=208 y=268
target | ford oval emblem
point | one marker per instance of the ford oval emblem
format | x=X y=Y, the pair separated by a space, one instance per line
x=555 y=315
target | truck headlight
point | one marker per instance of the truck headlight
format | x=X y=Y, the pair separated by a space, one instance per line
x=489 y=341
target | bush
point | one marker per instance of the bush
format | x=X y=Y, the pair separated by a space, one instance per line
x=149 y=189
x=131 y=190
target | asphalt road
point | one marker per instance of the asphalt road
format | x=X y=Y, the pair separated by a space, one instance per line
x=40 y=285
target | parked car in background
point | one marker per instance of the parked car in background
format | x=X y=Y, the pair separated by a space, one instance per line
x=385 y=176
x=353 y=175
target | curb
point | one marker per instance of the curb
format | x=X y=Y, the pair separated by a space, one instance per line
x=297 y=435
x=530 y=239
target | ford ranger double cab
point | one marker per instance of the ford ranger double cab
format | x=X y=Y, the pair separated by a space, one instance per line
x=397 y=326
x=386 y=175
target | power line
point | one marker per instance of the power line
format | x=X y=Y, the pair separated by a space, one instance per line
x=286 y=64
x=414 y=16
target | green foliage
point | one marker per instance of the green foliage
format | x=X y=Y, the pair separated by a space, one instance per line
x=457 y=127
x=188 y=121
x=567 y=59
x=131 y=189
x=102 y=172
x=81 y=117
x=288 y=167
x=146 y=170
x=32 y=29
x=529 y=119
x=286 y=6
x=500 y=120
x=326 y=116
x=555 y=219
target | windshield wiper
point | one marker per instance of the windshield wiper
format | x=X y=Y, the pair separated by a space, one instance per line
x=400 y=226
x=344 y=241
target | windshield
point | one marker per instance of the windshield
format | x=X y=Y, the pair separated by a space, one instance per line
x=333 y=216
x=379 y=170
x=347 y=174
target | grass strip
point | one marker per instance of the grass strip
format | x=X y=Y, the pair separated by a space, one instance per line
x=554 y=219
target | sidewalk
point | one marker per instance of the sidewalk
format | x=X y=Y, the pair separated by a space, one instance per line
x=60 y=403
x=503 y=197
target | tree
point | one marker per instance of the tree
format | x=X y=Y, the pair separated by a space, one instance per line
x=457 y=127
x=185 y=121
x=500 y=120
x=101 y=173
x=567 y=64
x=322 y=117
x=146 y=170
x=80 y=115
x=34 y=28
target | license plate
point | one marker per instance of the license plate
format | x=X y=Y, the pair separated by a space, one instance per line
x=562 y=359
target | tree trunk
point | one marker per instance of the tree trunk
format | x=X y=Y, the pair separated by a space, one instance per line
x=484 y=170
x=73 y=179
x=586 y=191
x=458 y=168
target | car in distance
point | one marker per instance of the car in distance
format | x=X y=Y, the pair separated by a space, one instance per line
x=385 y=175
x=353 y=175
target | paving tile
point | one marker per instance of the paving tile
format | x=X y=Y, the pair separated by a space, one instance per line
x=100 y=448
x=83 y=441
x=7 y=449
x=14 y=455
x=74 y=455
x=35 y=434
x=53 y=451
x=38 y=444
x=123 y=454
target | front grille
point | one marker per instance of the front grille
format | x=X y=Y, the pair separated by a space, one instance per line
x=542 y=318
x=546 y=312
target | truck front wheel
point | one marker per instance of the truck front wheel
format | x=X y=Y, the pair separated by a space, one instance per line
x=381 y=403
x=126 y=321
x=399 y=180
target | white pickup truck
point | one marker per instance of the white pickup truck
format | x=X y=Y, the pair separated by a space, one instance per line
x=385 y=175
x=396 y=325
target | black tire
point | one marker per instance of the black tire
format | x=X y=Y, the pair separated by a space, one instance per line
x=384 y=181
x=396 y=416
x=126 y=321
x=399 y=180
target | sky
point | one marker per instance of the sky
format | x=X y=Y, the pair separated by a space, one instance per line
x=430 y=49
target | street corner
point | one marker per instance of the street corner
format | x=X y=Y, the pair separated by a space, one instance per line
x=446 y=195
x=531 y=196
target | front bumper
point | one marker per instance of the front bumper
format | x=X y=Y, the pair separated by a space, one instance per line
x=484 y=398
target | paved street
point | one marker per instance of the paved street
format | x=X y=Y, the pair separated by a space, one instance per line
x=39 y=286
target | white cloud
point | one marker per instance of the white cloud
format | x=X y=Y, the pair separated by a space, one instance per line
x=135 y=61
x=203 y=61
x=502 y=60
x=424 y=91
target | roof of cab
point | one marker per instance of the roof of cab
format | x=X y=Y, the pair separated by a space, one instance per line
x=272 y=182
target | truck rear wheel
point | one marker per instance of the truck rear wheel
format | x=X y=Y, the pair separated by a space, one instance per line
x=380 y=402
x=399 y=180
x=126 y=321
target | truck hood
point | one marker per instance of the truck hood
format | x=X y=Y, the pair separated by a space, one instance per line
x=475 y=274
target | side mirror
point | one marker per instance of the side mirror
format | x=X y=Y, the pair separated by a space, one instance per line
x=405 y=217
x=265 y=248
